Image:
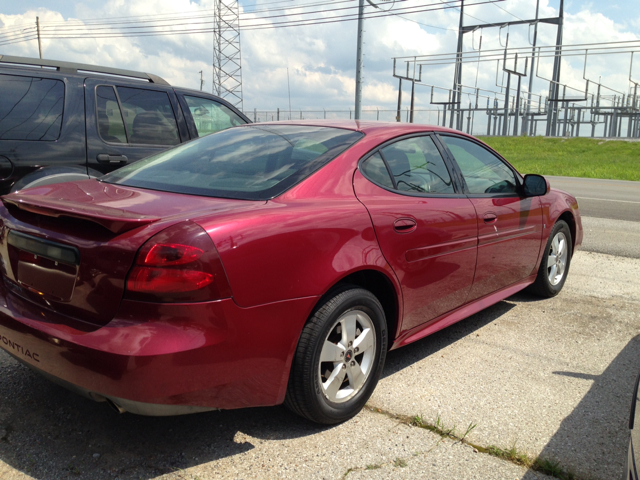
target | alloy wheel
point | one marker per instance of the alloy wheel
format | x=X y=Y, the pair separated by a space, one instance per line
x=557 y=260
x=346 y=358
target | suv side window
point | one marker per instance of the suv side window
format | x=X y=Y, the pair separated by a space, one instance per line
x=110 y=124
x=210 y=116
x=148 y=116
x=30 y=108
x=417 y=166
x=483 y=172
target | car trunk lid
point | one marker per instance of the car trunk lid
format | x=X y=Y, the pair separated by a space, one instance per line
x=69 y=247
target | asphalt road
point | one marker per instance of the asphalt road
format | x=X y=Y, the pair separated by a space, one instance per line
x=612 y=199
x=610 y=212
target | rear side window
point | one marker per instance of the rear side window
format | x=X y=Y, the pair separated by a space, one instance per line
x=110 y=124
x=375 y=169
x=149 y=116
x=135 y=115
x=30 y=108
x=417 y=166
x=251 y=162
x=210 y=116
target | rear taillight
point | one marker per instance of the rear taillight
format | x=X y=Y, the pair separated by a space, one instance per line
x=179 y=264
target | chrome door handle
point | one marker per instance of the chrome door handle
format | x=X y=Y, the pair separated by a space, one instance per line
x=105 y=158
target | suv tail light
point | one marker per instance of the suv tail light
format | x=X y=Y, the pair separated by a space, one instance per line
x=179 y=264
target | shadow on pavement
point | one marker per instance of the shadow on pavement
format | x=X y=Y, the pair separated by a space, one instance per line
x=402 y=358
x=593 y=440
x=48 y=432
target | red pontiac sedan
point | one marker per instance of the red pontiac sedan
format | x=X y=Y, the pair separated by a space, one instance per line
x=270 y=263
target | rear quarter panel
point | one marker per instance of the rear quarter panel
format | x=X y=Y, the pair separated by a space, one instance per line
x=301 y=243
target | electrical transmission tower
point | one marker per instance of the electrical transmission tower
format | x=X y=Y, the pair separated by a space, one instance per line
x=227 y=64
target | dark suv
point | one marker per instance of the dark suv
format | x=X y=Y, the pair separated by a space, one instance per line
x=63 y=121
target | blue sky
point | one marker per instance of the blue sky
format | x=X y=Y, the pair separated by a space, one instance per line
x=321 y=59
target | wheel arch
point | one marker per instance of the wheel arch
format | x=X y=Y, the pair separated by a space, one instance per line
x=381 y=286
x=570 y=220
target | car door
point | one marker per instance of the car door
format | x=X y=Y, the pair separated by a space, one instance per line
x=509 y=224
x=128 y=122
x=425 y=225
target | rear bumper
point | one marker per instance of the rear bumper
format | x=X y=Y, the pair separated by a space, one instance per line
x=208 y=355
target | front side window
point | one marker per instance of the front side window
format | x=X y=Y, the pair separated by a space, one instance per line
x=417 y=166
x=483 y=172
x=210 y=116
x=30 y=108
x=249 y=162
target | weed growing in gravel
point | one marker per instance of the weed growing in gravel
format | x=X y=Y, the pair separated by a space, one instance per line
x=399 y=462
x=469 y=430
x=548 y=467
x=439 y=428
x=553 y=469
x=373 y=467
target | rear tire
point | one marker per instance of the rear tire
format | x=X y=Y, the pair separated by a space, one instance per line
x=556 y=259
x=339 y=358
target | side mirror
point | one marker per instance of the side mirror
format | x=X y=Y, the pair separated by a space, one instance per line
x=535 y=185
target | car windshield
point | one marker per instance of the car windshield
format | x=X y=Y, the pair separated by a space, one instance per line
x=251 y=162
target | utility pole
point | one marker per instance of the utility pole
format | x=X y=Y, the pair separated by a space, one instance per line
x=201 y=80
x=528 y=118
x=39 y=42
x=289 y=91
x=457 y=76
x=554 y=88
x=359 y=62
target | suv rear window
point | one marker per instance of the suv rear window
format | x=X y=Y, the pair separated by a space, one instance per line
x=255 y=162
x=30 y=108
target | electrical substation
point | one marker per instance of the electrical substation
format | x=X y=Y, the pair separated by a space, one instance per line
x=509 y=109
x=523 y=99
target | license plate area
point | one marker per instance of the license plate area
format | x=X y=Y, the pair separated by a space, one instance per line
x=44 y=267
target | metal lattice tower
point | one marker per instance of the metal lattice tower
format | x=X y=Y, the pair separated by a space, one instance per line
x=227 y=62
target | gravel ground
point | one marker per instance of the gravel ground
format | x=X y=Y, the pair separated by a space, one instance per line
x=553 y=377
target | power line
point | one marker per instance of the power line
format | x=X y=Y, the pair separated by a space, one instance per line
x=468 y=14
x=71 y=31
x=201 y=14
x=159 y=29
x=507 y=11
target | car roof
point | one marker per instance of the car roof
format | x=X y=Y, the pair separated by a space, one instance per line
x=80 y=69
x=368 y=126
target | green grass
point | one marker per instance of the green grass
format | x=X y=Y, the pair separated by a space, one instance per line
x=574 y=157
x=399 y=462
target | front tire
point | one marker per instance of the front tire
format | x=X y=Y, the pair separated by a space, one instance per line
x=339 y=358
x=554 y=266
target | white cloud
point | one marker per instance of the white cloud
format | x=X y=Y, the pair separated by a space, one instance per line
x=321 y=58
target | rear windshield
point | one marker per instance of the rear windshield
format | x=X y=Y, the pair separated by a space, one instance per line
x=255 y=162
